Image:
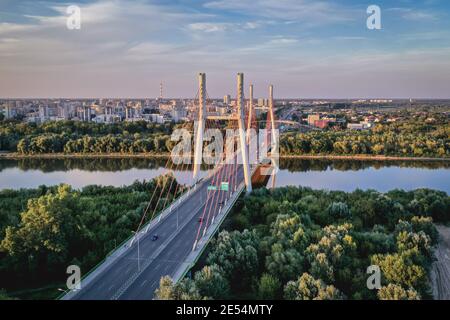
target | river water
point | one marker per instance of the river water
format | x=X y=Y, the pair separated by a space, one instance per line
x=342 y=175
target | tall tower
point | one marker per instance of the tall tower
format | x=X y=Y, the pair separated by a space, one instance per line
x=160 y=90
x=200 y=126
x=242 y=138
x=250 y=112
x=272 y=115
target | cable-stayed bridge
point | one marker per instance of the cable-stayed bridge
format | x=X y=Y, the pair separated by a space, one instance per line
x=173 y=239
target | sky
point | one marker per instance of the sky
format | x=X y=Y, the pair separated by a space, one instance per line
x=305 y=48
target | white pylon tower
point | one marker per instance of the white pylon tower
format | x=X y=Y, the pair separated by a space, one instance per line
x=242 y=137
x=272 y=117
x=200 y=126
x=274 y=143
x=250 y=113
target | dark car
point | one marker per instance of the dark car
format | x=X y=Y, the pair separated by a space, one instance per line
x=200 y=220
x=155 y=237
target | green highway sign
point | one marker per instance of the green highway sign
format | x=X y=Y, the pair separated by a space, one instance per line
x=212 y=188
x=224 y=186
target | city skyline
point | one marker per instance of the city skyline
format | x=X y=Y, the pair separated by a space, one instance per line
x=305 y=48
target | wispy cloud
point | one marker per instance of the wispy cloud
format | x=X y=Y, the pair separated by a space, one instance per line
x=414 y=14
x=306 y=11
x=124 y=48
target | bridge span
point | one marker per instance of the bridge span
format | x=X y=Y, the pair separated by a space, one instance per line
x=134 y=269
x=122 y=276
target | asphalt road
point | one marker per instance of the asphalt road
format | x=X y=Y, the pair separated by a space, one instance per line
x=123 y=280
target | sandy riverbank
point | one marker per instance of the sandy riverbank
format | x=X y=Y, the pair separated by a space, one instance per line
x=440 y=271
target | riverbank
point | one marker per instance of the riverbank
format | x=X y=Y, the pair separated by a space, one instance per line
x=440 y=272
x=18 y=156
x=362 y=157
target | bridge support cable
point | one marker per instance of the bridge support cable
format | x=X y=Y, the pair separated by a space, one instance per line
x=214 y=200
x=207 y=204
x=224 y=193
x=183 y=167
x=218 y=191
x=144 y=215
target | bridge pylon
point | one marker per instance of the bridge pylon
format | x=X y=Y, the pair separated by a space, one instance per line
x=200 y=126
x=250 y=113
x=272 y=116
x=240 y=117
x=242 y=135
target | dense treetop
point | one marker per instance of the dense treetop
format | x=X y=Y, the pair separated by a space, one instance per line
x=407 y=137
x=297 y=243
x=44 y=230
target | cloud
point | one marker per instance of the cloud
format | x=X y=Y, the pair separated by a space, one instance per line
x=209 y=27
x=110 y=30
x=125 y=45
x=9 y=28
x=415 y=15
x=225 y=26
x=281 y=41
x=307 y=11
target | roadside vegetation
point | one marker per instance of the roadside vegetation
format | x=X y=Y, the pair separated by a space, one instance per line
x=44 y=230
x=298 y=243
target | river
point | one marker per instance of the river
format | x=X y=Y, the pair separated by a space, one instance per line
x=345 y=175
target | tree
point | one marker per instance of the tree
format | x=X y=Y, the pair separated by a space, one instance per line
x=396 y=292
x=289 y=230
x=426 y=225
x=284 y=263
x=235 y=252
x=326 y=255
x=339 y=210
x=420 y=241
x=46 y=228
x=400 y=269
x=269 y=287
x=308 y=288
x=184 y=290
x=211 y=283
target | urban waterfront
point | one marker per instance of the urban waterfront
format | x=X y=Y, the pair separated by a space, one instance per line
x=344 y=175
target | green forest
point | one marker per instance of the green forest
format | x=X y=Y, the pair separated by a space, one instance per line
x=404 y=138
x=44 y=230
x=85 y=137
x=303 y=244
x=407 y=138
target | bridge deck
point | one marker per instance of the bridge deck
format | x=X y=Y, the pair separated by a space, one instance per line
x=119 y=276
